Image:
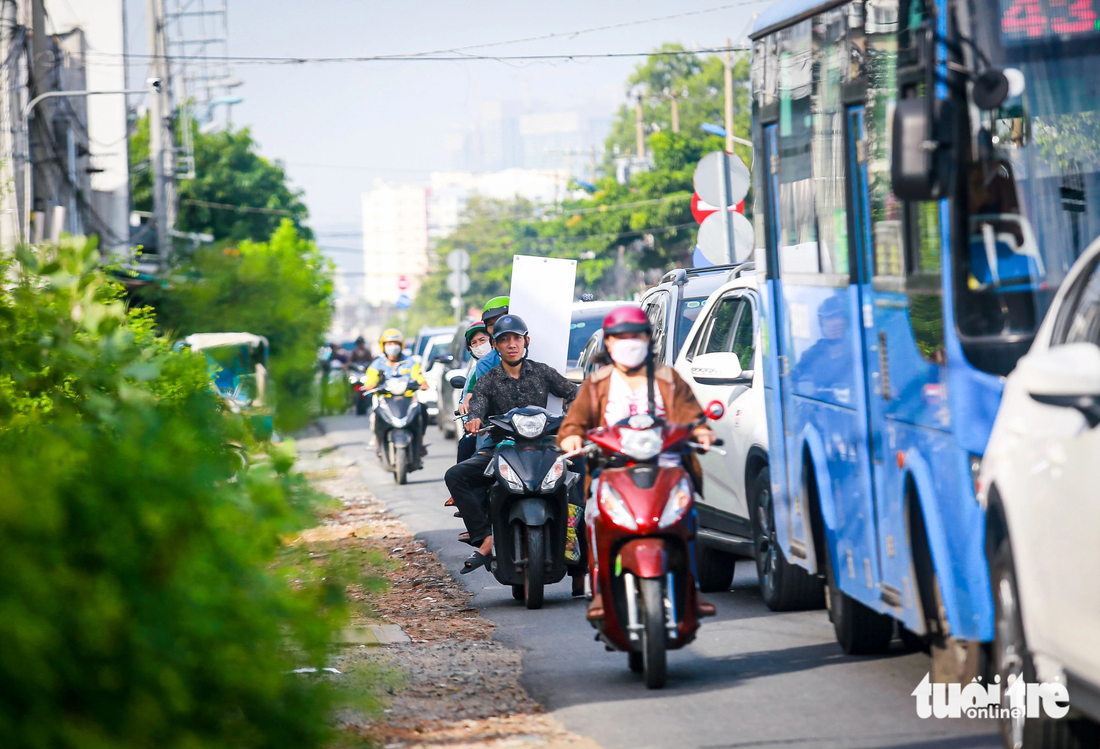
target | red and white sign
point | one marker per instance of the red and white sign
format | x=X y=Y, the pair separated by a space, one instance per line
x=701 y=209
x=402 y=283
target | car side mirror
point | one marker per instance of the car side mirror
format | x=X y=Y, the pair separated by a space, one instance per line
x=719 y=368
x=1067 y=376
x=457 y=379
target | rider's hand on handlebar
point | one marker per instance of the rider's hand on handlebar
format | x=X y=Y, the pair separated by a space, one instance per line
x=571 y=443
x=473 y=426
x=464 y=408
x=704 y=436
x=423 y=386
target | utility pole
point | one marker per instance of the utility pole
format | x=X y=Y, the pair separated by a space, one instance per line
x=592 y=164
x=161 y=151
x=639 y=126
x=729 y=96
x=674 y=100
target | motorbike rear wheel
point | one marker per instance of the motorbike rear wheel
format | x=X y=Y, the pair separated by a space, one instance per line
x=401 y=466
x=654 y=655
x=534 y=574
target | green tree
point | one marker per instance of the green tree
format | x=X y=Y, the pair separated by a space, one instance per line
x=228 y=171
x=281 y=289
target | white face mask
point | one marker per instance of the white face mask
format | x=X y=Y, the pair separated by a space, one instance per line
x=482 y=350
x=630 y=352
x=392 y=349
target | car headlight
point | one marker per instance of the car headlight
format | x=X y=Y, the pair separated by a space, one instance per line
x=642 y=444
x=616 y=509
x=529 y=425
x=677 y=505
x=509 y=475
x=550 y=480
x=395 y=386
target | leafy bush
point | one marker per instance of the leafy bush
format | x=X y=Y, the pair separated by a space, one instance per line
x=137 y=608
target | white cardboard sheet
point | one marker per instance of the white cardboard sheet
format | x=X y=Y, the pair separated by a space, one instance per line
x=542 y=294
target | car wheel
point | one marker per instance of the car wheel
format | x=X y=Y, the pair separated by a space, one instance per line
x=1011 y=660
x=784 y=586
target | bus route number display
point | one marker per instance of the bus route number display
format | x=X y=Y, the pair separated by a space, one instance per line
x=1036 y=20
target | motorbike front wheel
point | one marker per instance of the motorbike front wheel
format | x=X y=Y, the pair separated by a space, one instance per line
x=401 y=465
x=534 y=573
x=654 y=655
x=361 y=406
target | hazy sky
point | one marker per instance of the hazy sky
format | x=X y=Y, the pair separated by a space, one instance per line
x=339 y=126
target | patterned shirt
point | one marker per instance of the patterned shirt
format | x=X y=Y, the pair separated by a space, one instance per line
x=497 y=392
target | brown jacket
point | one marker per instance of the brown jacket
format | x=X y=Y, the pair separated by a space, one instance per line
x=587 y=409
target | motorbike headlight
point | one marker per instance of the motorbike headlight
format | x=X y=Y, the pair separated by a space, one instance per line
x=395 y=386
x=612 y=504
x=529 y=426
x=550 y=480
x=641 y=444
x=509 y=475
x=676 y=505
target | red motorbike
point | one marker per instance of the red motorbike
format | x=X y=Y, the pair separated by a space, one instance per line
x=641 y=523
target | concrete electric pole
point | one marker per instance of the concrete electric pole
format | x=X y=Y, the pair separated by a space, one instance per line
x=639 y=126
x=161 y=151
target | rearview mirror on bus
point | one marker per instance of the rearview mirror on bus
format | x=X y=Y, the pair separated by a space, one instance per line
x=920 y=166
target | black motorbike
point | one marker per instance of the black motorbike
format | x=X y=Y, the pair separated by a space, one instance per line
x=398 y=426
x=529 y=504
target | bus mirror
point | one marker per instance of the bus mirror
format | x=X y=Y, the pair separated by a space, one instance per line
x=990 y=89
x=920 y=167
x=911 y=168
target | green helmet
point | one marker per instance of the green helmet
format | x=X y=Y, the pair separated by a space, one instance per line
x=494 y=308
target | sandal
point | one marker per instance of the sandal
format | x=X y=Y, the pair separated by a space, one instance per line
x=465 y=539
x=450 y=502
x=477 y=559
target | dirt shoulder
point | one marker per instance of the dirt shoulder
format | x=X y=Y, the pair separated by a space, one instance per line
x=456 y=686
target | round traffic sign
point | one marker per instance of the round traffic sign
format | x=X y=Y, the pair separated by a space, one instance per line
x=700 y=209
x=712 y=240
x=458 y=282
x=708 y=178
x=458 y=259
x=402 y=283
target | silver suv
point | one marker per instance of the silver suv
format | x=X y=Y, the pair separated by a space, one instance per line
x=674 y=305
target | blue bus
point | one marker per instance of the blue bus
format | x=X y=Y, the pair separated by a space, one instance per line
x=926 y=172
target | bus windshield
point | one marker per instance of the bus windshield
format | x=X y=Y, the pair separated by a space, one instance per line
x=1034 y=195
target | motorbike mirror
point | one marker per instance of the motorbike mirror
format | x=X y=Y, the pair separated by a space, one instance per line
x=457 y=380
x=715 y=410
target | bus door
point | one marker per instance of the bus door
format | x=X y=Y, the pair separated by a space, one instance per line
x=859 y=199
x=790 y=528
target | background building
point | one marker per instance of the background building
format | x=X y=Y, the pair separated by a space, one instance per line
x=395 y=240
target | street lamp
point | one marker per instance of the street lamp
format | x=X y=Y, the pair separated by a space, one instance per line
x=721 y=133
x=26 y=116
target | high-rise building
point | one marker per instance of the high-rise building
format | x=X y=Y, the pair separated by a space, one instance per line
x=395 y=240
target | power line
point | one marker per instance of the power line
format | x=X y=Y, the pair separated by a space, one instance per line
x=619 y=206
x=579 y=56
x=241 y=208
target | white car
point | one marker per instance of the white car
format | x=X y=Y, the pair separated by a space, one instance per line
x=433 y=364
x=721 y=360
x=1039 y=484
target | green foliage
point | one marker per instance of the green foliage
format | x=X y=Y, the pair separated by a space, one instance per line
x=137 y=609
x=228 y=170
x=281 y=289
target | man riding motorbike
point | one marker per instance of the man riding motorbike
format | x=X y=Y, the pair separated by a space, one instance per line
x=361 y=354
x=620 y=390
x=391 y=364
x=516 y=383
x=479 y=345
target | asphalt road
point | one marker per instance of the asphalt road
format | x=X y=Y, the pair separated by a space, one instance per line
x=752 y=678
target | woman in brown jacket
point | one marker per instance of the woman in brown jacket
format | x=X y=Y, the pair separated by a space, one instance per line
x=620 y=390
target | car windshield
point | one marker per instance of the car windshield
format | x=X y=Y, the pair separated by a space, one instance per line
x=1035 y=196
x=690 y=309
x=583 y=325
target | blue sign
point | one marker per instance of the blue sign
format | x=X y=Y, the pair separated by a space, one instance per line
x=404 y=302
x=699 y=260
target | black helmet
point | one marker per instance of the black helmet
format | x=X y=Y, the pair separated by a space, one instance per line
x=509 y=324
x=360 y=341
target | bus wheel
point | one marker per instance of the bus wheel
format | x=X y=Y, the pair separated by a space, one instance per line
x=859 y=630
x=784 y=586
x=953 y=661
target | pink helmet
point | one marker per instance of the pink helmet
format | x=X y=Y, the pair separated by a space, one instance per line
x=626 y=319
